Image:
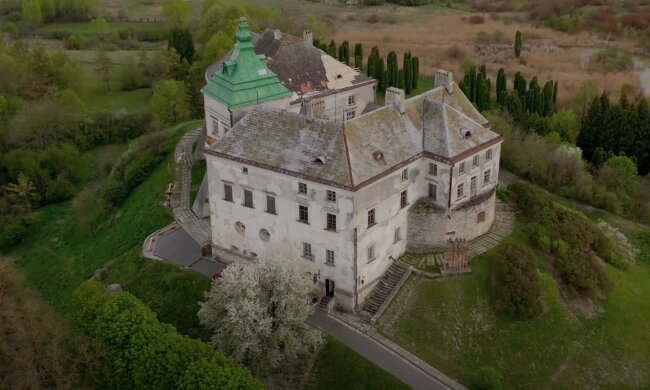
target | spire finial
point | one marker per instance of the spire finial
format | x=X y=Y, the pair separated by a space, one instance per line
x=243 y=31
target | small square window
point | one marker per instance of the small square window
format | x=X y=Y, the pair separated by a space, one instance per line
x=488 y=154
x=403 y=199
x=486 y=177
x=475 y=161
x=460 y=190
x=398 y=234
x=480 y=217
x=244 y=170
x=306 y=251
x=302 y=188
x=248 y=198
x=303 y=214
x=351 y=100
x=329 y=257
x=405 y=174
x=371 y=217
x=227 y=192
x=433 y=169
x=331 y=222
x=371 y=253
x=461 y=168
x=331 y=196
x=270 y=204
x=349 y=115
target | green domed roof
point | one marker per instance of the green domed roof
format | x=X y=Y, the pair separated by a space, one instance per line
x=244 y=79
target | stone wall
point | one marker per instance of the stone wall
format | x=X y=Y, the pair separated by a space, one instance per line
x=430 y=226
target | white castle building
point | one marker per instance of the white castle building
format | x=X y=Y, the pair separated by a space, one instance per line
x=345 y=185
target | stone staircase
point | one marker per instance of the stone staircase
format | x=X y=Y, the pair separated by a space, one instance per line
x=323 y=303
x=385 y=290
x=504 y=224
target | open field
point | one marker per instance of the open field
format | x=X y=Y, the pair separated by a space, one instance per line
x=451 y=324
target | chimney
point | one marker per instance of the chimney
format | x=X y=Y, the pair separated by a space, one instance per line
x=445 y=78
x=396 y=96
x=314 y=109
x=308 y=37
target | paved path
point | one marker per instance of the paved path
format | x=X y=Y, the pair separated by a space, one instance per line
x=504 y=224
x=376 y=352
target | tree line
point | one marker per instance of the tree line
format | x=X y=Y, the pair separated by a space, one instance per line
x=387 y=73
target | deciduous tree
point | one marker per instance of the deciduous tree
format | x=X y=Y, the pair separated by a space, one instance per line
x=169 y=102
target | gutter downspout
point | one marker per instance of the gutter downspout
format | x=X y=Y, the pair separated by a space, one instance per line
x=356 y=276
x=451 y=175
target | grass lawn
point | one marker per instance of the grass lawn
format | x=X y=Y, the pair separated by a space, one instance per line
x=450 y=323
x=339 y=367
x=58 y=257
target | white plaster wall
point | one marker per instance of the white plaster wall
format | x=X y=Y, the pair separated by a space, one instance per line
x=336 y=105
x=287 y=234
x=492 y=164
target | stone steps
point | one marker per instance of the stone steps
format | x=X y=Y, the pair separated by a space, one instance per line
x=504 y=223
x=383 y=289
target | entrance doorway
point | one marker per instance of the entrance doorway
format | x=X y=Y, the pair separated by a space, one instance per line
x=329 y=288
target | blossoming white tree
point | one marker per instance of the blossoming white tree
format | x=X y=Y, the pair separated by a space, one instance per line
x=257 y=312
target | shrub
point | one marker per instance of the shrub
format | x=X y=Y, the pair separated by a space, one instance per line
x=487 y=378
x=455 y=52
x=476 y=19
x=115 y=193
x=514 y=282
x=623 y=254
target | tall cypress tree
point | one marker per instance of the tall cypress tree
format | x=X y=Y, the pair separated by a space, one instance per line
x=518 y=43
x=400 y=79
x=501 y=87
x=415 y=63
x=358 y=57
x=408 y=78
x=548 y=98
x=641 y=147
x=331 y=49
x=181 y=40
x=555 y=91
x=380 y=75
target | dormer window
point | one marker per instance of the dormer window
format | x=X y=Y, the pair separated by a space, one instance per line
x=320 y=160
x=464 y=133
x=378 y=155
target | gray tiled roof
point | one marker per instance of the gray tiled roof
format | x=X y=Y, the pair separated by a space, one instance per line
x=431 y=123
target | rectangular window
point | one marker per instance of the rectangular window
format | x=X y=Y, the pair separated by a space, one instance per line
x=488 y=154
x=270 y=204
x=480 y=217
x=302 y=188
x=371 y=253
x=461 y=168
x=248 y=198
x=215 y=127
x=460 y=190
x=306 y=251
x=433 y=169
x=403 y=199
x=398 y=234
x=331 y=196
x=349 y=115
x=486 y=177
x=371 y=217
x=405 y=174
x=351 y=100
x=331 y=222
x=227 y=192
x=329 y=257
x=472 y=186
x=433 y=191
x=303 y=214
x=244 y=170
x=475 y=161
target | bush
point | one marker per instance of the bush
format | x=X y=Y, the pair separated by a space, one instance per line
x=476 y=19
x=142 y=352
x=623 y=254
x=487 y=378
x=115 y=193
x=514 y=282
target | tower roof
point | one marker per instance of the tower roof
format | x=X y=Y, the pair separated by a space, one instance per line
x=244 y=78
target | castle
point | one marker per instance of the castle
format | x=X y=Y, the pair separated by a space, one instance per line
x=301 y=159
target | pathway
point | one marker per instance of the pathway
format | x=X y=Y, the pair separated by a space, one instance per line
x=383 y=353
x=504 y=224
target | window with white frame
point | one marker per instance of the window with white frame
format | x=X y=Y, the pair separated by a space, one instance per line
x=486 y=177
x=248 y=198
x=331 y=196
x=303 y=214
x=306 y=251
x=227 y=192
x=488 y=154
x=270 y=204
x=398 y=234
x=403 y=199
x=351 y=100
x=371 y=217
x=433 y=191
x=349 y=115
x=433 y=169
x=329 y=257
x=475 y=161
x=461 y=168
x=371 y=253
x=331 y=222
x=460 y=190
x=302 y=188
x=405 y=174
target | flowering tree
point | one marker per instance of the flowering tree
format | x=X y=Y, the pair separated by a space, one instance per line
x=258 y=311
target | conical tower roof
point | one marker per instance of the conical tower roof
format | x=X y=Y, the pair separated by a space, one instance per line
x=244 y=79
